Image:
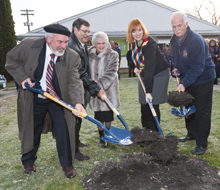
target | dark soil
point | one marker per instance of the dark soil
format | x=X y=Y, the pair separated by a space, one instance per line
x=162 y=168
x=177 y=99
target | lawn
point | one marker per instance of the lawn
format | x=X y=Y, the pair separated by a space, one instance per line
x=49 y=173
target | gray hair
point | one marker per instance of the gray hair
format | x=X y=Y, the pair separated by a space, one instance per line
x=180 y=14
x=99 y=35
x=206 y=40
x=49 y=34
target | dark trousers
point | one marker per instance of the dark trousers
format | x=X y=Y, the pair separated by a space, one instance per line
x=56 y=112
x=119 y=70
x=77 y=129
x=199 y=123
x=147 y=118
x=131 y=71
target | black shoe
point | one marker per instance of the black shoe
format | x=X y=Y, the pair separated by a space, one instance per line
x=187 y=138
x=83 y=144
x=29 y=169
x=103 y=143
x=199 y=150
x=81 y=157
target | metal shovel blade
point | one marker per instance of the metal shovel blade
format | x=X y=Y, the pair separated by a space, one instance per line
x=118 y=136
x=183 y=112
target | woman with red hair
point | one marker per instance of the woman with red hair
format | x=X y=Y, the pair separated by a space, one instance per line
x=153 y=68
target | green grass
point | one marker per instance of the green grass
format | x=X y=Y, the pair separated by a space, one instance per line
x=10 y=84
x=49 y=173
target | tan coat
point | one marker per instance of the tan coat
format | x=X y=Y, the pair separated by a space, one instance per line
x=104 y=67
x=21 y=63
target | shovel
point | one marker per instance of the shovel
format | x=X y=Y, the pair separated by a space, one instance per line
x=153 y=111
x=114 y=130
x=183 y=112
x=115 y=138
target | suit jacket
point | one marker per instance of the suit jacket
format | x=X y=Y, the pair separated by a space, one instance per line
x=84 y=69
x=22 y=62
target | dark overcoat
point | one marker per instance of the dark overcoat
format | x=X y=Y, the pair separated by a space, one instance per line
x=21 y=63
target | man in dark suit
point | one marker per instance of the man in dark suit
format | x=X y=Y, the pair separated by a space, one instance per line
x=117 y=49
x=131 y=65
x=77 y=41
x=34 y=59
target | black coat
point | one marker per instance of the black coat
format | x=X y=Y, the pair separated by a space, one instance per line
x=129 y=59
x=155 y=62
x=84 y=70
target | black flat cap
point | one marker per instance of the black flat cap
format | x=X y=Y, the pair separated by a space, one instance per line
x=57 y=29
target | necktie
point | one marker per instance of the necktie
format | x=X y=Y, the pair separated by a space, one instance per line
x=49 y=77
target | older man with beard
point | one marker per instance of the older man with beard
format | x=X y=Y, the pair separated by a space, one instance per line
x=52 y=64
x=197 y=74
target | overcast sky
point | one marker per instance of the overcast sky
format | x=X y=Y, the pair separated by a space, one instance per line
x=49 y=11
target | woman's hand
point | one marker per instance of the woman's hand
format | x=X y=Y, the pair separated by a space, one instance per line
x=148 y=96
x=136 y=71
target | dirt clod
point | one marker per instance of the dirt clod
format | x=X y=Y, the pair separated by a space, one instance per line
x=178 y=99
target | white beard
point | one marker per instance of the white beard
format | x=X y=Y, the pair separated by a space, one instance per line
x=57 y=53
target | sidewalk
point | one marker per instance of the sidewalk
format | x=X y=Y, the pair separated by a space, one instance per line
x=216 y=87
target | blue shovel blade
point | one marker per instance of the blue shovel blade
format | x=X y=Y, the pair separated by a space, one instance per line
x=121 y=137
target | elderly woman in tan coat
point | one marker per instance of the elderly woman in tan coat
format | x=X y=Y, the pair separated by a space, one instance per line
x=104 y=65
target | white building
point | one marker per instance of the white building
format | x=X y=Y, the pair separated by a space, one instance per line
x=113 y=18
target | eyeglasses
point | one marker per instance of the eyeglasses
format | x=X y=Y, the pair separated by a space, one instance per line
x=86 y=31
x=99 y=44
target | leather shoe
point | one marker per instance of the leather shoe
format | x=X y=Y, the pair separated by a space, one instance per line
x=29 y=169
x=103 y=143
x=199 y=150
x=81 y=157
x=83 y=144
x=70 y=172
x=187 y=138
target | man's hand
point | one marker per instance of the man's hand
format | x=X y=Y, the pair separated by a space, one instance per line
x=101 y=94
x=181 y=87
x=80 y=109
x=28 y=80
x=175 y=73
x=148 y=96
x=136 y=71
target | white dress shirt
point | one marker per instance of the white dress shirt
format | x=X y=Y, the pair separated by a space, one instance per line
x=43 y=78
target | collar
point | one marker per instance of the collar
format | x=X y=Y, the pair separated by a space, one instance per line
x=80 y=44
x=48 y=52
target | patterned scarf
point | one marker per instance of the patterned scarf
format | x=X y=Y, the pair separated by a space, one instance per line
x=137 y=56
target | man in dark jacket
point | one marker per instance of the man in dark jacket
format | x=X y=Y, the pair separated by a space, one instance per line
x=77 y=41
x=117 y=49
x=131 y=64
x=197 y=74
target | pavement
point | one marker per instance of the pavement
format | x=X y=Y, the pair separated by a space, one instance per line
x=216 y=87
x=8 y=93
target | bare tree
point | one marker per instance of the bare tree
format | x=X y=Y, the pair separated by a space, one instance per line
x=211 y=8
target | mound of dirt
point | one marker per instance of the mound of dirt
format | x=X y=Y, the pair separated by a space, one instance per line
x=144 y=172
x=162 y=168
